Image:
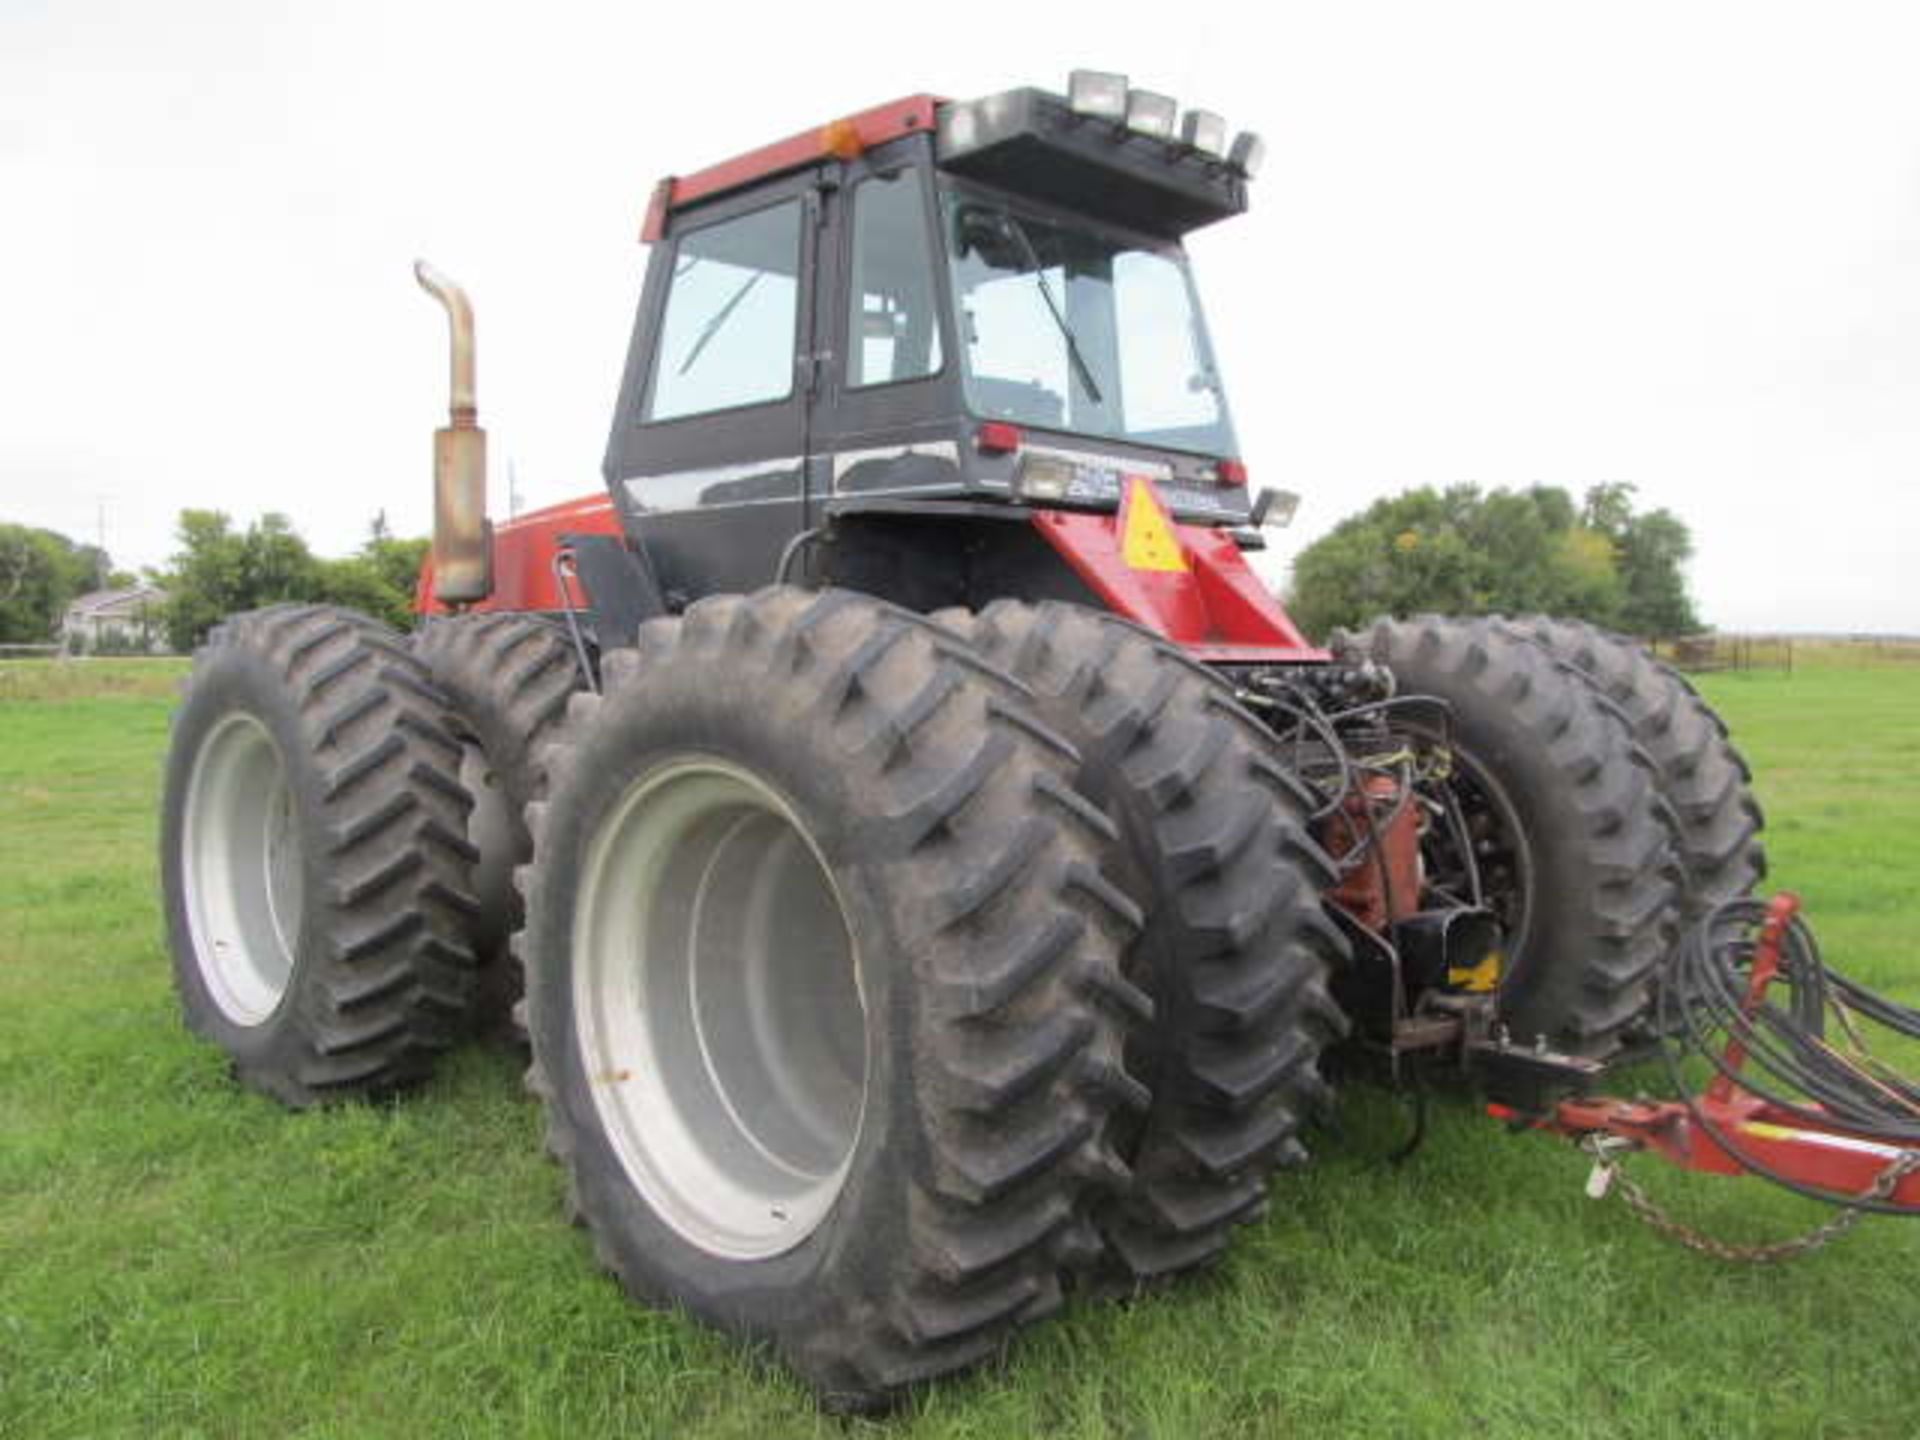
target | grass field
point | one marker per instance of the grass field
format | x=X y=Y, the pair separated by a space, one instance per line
x=180 y=1258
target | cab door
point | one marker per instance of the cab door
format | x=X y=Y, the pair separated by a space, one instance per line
x=885 y=407
x=708 y=458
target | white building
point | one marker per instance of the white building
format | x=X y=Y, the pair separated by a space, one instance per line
x=131 y=620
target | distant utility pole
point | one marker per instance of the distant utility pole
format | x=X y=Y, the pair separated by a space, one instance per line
x=102 y=568
x=513 y=489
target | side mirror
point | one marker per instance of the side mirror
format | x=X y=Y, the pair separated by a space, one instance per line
x=978 y=229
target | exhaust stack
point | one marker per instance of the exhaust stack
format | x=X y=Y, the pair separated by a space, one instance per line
x=462 y=538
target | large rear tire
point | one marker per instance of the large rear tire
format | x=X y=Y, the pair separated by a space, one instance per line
x=1700 y=776
x=509 y=677
x=824 y=987
x=1576 y=847
x=314 y=863
x=1237 y=949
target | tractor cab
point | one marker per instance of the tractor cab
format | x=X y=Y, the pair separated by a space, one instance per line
x=976 y=306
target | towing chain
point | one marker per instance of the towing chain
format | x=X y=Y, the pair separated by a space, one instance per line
x=1608 y=1176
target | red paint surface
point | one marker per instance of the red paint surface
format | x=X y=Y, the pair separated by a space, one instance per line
x=1714 y=1132
x=1218 y=609
x=523 y=551
x=1384 y=887
x=1823 y=1156
x=1760 y=975
x=906 y=116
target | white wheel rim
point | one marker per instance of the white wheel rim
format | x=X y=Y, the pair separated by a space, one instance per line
x=242 y=870
x=718 y=1009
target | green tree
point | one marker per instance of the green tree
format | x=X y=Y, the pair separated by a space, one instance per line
x=380 y=578
x=1651 y=552
x=397 y=562
x=32 y=585
x=41 y=571
x=357 y=583
x=209 y=578
x=219 y=571
x=1459 y=551
x=277 y=563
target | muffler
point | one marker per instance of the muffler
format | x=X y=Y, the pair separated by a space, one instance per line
x=462 y=538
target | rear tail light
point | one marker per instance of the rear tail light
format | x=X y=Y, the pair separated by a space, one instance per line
x=1232 y=472
x=997 y=437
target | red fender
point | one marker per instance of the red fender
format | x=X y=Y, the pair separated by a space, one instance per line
x=523 y=551
x=1211 y=604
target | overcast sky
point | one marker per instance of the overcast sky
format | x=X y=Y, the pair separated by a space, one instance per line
x=1674 y=244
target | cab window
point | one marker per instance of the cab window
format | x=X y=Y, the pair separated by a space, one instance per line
x=893 y=329
x=727 y=338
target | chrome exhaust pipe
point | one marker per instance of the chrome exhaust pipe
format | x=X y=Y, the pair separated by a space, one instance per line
x=462 y=538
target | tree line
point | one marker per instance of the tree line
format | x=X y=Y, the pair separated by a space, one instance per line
x=218 y=570
x=1460 y=551
x=41 y=572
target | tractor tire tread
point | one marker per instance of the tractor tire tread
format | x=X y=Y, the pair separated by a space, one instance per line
x=1004 y=970
x=1607 y=911
x=509 y=677
x=383 y=975
x=1211 y=844
x=1702 y=777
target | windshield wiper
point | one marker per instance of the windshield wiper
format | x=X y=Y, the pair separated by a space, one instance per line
x=1080 y=366
x=719 y=319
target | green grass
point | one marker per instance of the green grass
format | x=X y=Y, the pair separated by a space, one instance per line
x=180 y=1258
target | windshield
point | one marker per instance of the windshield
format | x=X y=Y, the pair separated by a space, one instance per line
x=1070 y=328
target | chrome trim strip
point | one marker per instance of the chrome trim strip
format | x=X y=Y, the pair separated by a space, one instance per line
x=674 y=491
x=845 y=460
x=1157 y=471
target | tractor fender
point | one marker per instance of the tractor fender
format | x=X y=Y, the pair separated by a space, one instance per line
x=1191 y=585
x=608 y=580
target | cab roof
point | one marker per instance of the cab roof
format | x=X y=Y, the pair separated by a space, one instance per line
x=1028 y=141
x=845 y=137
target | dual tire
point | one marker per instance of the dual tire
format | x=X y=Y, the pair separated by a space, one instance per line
x=825 y=987
x=507 y=678
x=317 y=878
x=1237 y=951
x=827 y=1008
x=1607 y=810
x=342 y=816
x=1700 y=777
x=991 y=1108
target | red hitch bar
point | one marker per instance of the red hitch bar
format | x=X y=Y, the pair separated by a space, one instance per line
x=1728 y=1131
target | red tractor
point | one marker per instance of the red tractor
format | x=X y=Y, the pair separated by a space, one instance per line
x=935 y=865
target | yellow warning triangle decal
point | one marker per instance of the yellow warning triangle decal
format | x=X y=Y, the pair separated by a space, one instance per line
x=1147 y=541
